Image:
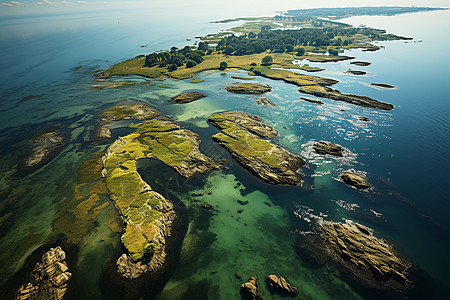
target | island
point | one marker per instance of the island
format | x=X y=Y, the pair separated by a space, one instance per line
x=246 y=138
x=248 y=88
x=355 y=179
x=383 y=85
x=323 y=147
x=147 y=214
x=187 y=97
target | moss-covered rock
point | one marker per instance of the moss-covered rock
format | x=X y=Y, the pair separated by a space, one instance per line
x=147 y=214
x=187 y=97
x=244 y=136
x=248 y=88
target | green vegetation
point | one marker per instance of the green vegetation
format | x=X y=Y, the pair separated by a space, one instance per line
x=120 y=112
x=223 y=65
x=267 y=60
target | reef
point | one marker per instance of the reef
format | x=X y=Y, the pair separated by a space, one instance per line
x=245 y=137
x=248 y=88
x=120 y=112
x=187 y=97
x=44 y=146
x=328 y=148
x=356 y=180
x=49 y=278
x=279 y=283
x=359 y=256
x=147 y=214
x=327 y=92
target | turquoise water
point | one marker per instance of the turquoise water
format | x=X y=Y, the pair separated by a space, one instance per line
x=404 y=153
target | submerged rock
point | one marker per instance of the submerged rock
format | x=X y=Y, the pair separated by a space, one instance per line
x=43 y=147
x=356 y=180
x=359 y=256
x=248 y=88
x=187 y=97
x=264 y=101
x=245 y=137
x=279 y=283
x=49 y=278
x=311 y=100
x=328 y=148
x=355 y=72
x=362 y=118
x=326 y=92
x=251 y=289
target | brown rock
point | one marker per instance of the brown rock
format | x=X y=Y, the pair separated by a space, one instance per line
x=248 y=88
x=328 y=148
x=279 y=283
x=251 y=289
x=356 y=180
x=264 y=101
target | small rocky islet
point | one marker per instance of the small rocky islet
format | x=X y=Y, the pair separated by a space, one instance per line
x=323 y=147
x=355 y=179
x=187 y=97
x=248 y=88
x=361 y=258
x=245 y=137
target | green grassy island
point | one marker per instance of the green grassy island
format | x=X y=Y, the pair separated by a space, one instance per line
x=262 y=49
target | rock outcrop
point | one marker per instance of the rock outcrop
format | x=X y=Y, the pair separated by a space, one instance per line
x=279 y=283
x=116 y=113
x=326 y=92
x=361 y=63
x=248 y=88
x=383 y=85
x=356 y=180
x=359 y=256
x=49 y=278
x=147 y=214
x=328 y=148
x=245 y=137
x=251 y=289
x=187 y=97
x=311 y=100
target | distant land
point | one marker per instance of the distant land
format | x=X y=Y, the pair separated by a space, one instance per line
x=344 y=12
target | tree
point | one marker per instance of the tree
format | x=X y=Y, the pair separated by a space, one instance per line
x=223 y=65
x=301 y=51
x=289 y=48
x=172 y=67
x=190 y=63
x=203 y=46
x=267 y=60
x=209 y=52
x=345 y=43
x=333 y=51
x=265 y=28
x=251 y=35
x=228 y=50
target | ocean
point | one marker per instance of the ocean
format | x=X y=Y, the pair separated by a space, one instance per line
x=403 y=152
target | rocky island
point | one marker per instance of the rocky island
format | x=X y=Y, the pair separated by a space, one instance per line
x=49 y=278
x=147 y=214
x=356 y=180
x=281 y=284
x=248 y=88
x=187 y=97
x=328 y=148
x=360 y=257
x=246 y=138
x=327 y=92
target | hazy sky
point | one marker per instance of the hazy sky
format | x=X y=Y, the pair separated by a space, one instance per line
x=244 y=7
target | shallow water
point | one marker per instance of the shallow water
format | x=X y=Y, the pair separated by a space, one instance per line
x=403 y=152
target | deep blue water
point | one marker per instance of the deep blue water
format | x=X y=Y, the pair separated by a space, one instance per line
x=404 y=152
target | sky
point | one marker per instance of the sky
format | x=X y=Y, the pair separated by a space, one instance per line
x=33 y=7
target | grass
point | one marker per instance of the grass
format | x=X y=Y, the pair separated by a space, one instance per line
x=112 y=84
x=120 y=112
x=197 y=80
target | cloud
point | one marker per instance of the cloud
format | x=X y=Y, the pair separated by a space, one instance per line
x=48 y=2
x=6 y=4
